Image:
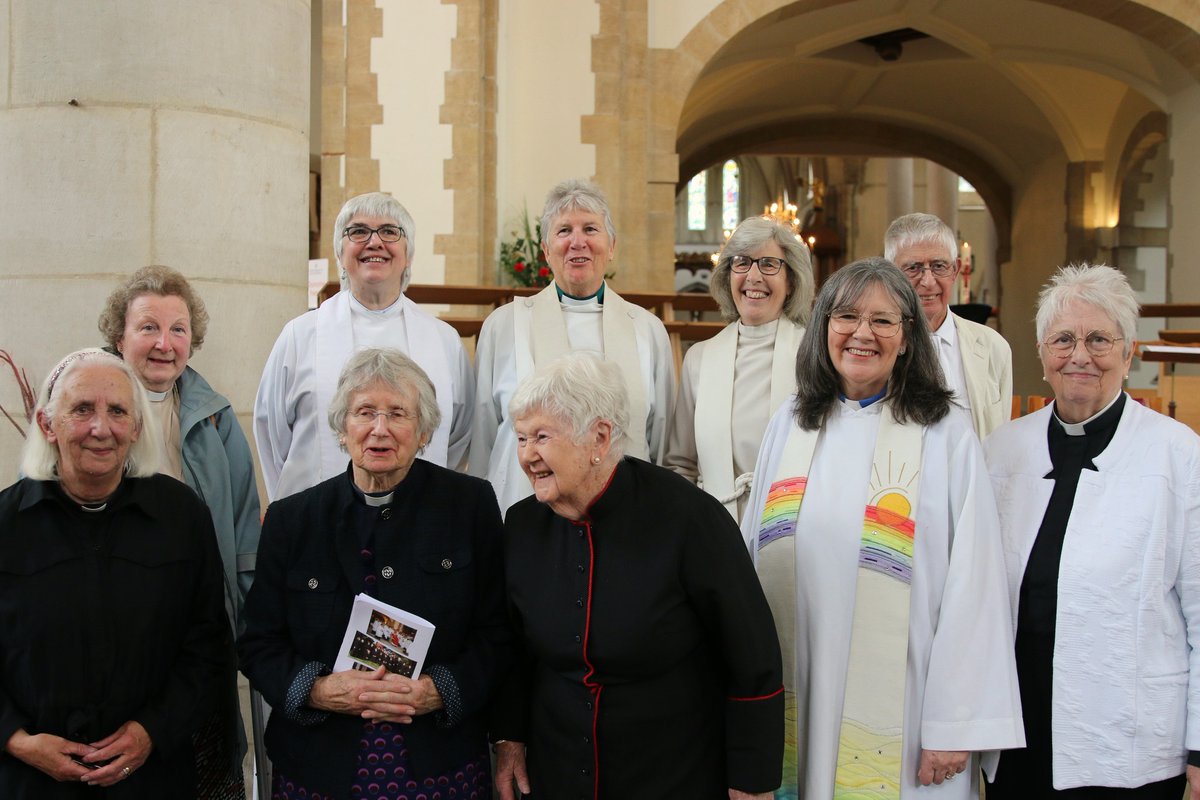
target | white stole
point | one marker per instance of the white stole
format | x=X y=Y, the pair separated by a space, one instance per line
x=714 y=405
x=870 y=741
x=540 y=334
x=335 y=344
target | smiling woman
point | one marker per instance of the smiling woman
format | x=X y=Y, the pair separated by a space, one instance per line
x=374 y=240
x=733 y=382
x=650 y=665
x=875 y=535
x=579 y=311
x=94 y=519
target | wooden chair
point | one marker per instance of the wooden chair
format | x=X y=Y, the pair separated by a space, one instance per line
x=1036 y=402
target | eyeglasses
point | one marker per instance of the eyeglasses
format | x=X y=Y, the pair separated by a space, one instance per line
x=940 y=269
x=360 y=234
x=882 y=323
x=767 y=265
x=396 y=418
x=1098 y=343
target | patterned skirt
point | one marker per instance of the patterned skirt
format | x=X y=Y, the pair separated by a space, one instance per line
x=383 y=773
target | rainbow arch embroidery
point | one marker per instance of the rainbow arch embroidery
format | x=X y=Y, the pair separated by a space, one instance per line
x=781 y=511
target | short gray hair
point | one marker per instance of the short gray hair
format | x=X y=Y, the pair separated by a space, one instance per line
x=749 y=237
x=580 y=389
x=1098 y=285
x=377 y=204
x=396 y=371
x=575 y=194
x=913 y=229
x=39 y=458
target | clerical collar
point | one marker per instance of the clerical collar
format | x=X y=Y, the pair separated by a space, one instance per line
x=93 y=508
x=375 y=499
x=357 y=305
x=158 y=397
x=875 y=398
x=598 y=296
x=1079 y=428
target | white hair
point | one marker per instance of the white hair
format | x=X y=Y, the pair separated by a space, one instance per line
x=39 y=458
x=1098 y=285
x=912 y=229
x=377 y=204
x=394 y=370
x=579 y=389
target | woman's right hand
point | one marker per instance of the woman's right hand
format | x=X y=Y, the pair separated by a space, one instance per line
x=50 y=754
x=510 y=769
x=340 y=692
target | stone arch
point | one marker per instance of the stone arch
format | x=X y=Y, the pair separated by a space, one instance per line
x=641 y=93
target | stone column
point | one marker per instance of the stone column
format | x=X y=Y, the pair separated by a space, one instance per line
x=941 y=194
x=900 y=187
x=145 y=132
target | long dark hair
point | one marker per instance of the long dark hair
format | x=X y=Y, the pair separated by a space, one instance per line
x=916 y=388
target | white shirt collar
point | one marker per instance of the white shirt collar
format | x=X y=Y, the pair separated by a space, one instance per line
x=948 y=331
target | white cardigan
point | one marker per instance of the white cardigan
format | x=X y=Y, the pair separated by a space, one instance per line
x=1127 y=648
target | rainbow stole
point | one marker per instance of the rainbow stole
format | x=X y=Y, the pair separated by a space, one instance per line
x=871 y=739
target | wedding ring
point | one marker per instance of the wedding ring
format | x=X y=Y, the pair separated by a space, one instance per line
x=125 y=772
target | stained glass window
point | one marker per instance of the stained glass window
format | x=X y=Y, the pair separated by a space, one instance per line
x=729 y=195
x=697 y=200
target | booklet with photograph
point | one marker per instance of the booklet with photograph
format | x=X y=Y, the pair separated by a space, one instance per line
x=379 y=635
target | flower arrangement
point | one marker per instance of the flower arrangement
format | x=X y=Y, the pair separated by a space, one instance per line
x=522 y=261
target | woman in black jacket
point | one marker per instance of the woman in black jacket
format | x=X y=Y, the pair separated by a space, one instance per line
x=411 y=534
x=114 y=643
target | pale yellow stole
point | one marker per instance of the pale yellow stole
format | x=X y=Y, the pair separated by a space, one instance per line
x=714 y=403
x=870 y=741
x=541 y=337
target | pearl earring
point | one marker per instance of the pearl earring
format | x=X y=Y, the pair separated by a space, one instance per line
x=595 y=459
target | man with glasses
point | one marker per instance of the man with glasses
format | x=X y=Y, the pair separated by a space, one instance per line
x=976 y=360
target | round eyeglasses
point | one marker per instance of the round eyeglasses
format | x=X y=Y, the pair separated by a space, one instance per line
x=360 y=234
x=883 y=324
x=767 y=265
x=1098 y=343
x=939 y=268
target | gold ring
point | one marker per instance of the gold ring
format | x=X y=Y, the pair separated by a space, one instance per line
x=125 y=772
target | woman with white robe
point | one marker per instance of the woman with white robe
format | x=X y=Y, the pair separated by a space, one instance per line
x=732 y=383
x=887 y=582
x=578 y=311
x=373 y=239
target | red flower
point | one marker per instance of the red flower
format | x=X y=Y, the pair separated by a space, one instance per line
x=543 y=272
x=519 y=266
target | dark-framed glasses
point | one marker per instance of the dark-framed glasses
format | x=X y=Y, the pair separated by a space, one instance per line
x=883 y=324
x=359 y=234
x=1098 y=343
x=939 y=268
x=396 y=418
x=767 y=265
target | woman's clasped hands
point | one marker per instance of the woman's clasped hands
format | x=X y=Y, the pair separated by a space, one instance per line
x=379 y=695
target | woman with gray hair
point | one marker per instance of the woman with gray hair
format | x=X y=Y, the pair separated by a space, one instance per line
x=875 y=535
x=732 y=383
x=578 y=311
x=1098 y=512
x=114 y=637
x=650 y=666
x=409 y=533
x=373 y=239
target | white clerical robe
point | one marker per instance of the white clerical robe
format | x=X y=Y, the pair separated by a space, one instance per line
x=296 y=447
x=961 y=684
x=503 y=359
x=730 y=386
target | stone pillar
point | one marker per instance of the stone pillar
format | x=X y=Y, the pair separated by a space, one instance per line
x=900 y=187
x=145 y=132
x=941 y=194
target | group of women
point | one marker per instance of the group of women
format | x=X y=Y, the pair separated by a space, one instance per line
x=901 y=605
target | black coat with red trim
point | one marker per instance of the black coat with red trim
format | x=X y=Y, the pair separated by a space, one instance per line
x=651 y=665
